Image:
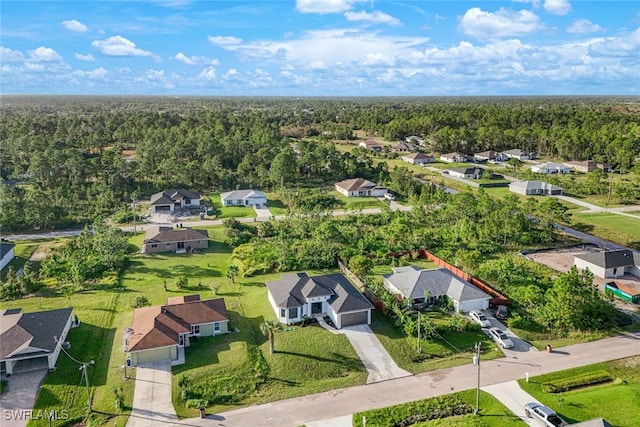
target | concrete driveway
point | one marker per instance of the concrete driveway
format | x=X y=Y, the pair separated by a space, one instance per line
x=513 y=397
x=152 y=397
x=21 y=394
x=379 y=364
x=519 y=346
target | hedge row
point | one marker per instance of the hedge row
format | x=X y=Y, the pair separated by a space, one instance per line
x=593 y=378
x=414 y=412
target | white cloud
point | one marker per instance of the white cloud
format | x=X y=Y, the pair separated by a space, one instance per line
x=325 y=6
x=620 y=47
x=317 y=65
x=503 y=23
x=376 y=17
x=119 y=46
x=224 y=40
x=10 y=55
x=208 y=73
x=81 y=57
x=74 y=25
x=378 y=59
x=583 y=26
x=98 y=73
x=44 y=54
x=195 y=60
x=231 y=73
x=557 y=7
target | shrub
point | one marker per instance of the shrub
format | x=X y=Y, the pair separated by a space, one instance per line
x=140 y=301
x=572 y=383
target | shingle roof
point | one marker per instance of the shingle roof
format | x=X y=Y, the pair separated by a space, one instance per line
x=357 y=184
x=243 y=194
x=288 y=292
x=5 y=248
x=414 y=283
x=453 y=155
x=516 y=152
x=612 y=259
x=534 y=185
x=155 y=234
x=469 y=171
x=487 y=154
x=168 y=197
x=417 y=156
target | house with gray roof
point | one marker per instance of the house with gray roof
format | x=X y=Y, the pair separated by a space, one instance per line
x=31 y=341
x=466 y=173
x=179 y=240
x=609 y=264
x=360 y=187
x=6 y=253
x=534 y=188
x=244 y=198
x=418 y=159
x=519 y=154
x=296 y=295
x=431 y=286
x=172 y=200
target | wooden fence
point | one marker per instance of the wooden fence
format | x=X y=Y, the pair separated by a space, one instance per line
x=368 y=293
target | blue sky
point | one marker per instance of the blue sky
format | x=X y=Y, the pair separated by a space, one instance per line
x=320 y=47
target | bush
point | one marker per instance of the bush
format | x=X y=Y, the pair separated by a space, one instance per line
x=572 y=383
x=141 y=301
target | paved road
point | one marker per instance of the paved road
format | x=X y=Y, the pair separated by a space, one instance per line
x=342 y=402
x=152 y=396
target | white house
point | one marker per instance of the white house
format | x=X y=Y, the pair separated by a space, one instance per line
x=610 y=264
x=297 y=295
x=370 y=145
x=550 y=167
x=466 y=173
x=431 y=286
x=6 y=253
x=535 y=188
x=519 y=154
x=32 y=340
x=418 y=159
x=170 y=200
x=244 y=198
x=454 y=157
x=489 y=155
x=359 y=187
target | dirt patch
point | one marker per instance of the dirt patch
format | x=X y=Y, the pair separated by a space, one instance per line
x=44 y=249
x=562 y=259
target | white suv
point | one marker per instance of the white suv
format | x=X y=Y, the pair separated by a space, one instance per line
x=500 y=338
x=479 y=317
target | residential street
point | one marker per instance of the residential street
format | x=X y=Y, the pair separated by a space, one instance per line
x=340 y=403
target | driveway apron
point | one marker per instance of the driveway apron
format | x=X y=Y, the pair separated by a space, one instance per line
x=379 y=364
x=513 y=397
x=152 y=397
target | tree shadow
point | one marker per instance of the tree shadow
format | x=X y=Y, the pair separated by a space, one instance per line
x=583 y=227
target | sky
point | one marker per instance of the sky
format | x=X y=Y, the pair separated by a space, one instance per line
x=320 y=47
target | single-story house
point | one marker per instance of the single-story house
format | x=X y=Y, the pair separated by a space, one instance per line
x=169 y=200
x=168 y=239
x=296 y=295
x=370 y=145
x=161 y=332
x=550 y=167
x=414 y=139
x=610 y=264
x=489 y=155
x=418 y=159
x=403 y=147
x=360 y=187
x=455 y=157
x=529 y=188
x=519 y=154
x=6 y=253
x=587 y=166
x=30 y=341
x=466 y=173
x=429 y=286
x=244 y=198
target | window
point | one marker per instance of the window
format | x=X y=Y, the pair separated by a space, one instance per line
x=195 y=329
x=283 y=312
x=153 y=245
x=180 y=245
x=187 y=201
x=216 y=327
x=293 y=313
x=168 y=245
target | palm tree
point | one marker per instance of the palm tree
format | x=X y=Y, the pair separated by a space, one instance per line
x=269 y=328
x=232 y=272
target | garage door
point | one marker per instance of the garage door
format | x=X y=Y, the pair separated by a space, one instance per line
x=351 y=319
x=480 y=304
x=154 y=355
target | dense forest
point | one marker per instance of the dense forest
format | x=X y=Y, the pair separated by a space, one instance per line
x=68 y=160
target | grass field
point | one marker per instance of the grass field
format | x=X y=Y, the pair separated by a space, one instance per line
x=610 y=226
x=355 y=203
x=616 y=402
x=22 y=252
x=231 y=211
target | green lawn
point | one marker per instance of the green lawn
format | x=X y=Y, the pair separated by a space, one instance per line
x=22 y=252
x=230 y=211
x=616 y=402
x=492 y=414
x=436 y=352
x=610 y=226
x=355 y=203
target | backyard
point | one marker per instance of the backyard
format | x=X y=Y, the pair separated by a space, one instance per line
x=610 y=226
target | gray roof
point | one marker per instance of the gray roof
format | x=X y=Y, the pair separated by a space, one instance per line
x=243 y=194
x=612 y=259
x=168 y=197
x=417 y=156
x=358 y=184
x=5 y=248
x=293 y=289
x=535 y=185
x=36 y=330
x=469 y=171
x=414 y=283
x=168 y=234
x=516 y=152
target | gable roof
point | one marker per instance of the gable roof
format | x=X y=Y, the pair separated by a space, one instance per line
x=168 y=197
x=534 y=185
x=370 y=143
x=292 y=290
x=358 y=184
x=36 y=330
x=454 y=155
x=414 y=283
x=417 y=156
x=403 y=146
x=515 y=152
x=487 y=154
x=158 y=234
x=5 y=248
x=612 y=259
x=468 y=171
x=243 y=195
x=161 y=325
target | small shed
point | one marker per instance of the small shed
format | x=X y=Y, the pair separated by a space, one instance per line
x=623 y=292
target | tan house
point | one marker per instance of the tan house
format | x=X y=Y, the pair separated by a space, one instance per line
x=370 y=145
x=418 y=159
x=455 y=157
x=587 y=166
x=162 y=332
x=403 y=147
x=178 y=240
x=360 y=187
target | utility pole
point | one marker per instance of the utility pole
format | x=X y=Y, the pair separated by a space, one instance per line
x=476 y=361
x=83 y=368
x=419 y=349
x=134 y=200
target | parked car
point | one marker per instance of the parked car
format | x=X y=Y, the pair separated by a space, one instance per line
x=479 y=317
x=500 y=338
x=502 y=312
x=544 y=414
x=389 y=196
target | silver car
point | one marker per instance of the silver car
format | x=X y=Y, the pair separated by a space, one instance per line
x=543 y=414
x=479 y=317
x=500 y=338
